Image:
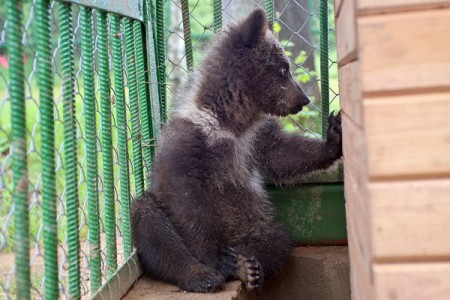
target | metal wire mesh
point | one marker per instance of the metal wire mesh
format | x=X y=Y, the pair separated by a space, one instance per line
x=296 y=24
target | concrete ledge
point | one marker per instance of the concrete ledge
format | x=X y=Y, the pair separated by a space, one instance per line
x=313 y=273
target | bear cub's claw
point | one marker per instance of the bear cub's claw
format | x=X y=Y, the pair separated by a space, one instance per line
x=227 y=262
x=250 y=272
x=334 y=134
x=203 y=281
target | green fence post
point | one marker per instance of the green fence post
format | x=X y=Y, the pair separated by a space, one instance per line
x=268 y=5
x=46 y=111
x=161 y=57
x=70 y=147
x=91 y=148
x=146 y=124
x=116 y=39
x=324 y=80
x=151 y=63
x=108 y=173
x=19 y=148
x=187 y=34
x=217 y=14
x=134 y=108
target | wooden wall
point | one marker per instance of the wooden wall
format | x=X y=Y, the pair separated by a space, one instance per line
x=394 y=72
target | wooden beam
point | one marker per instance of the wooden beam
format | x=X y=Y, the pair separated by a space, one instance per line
x=385 y=6
x=408 y=136
x=412 y=281
x=346 y=41
x=404 y=52
x=350 y=93
x=410 y=220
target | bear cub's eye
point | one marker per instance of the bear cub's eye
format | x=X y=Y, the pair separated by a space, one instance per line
x=283 y=72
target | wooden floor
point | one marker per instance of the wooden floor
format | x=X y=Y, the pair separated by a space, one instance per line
x=154 y=290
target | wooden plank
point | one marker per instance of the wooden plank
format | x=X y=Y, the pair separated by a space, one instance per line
x=412 y=281
x=410 y=219
x=408 y=136
x=407 y=51
x=383 y=6
x=346 y=42
x=358 y=240
x=360 y=271
x=357 y=209
x=350 y=93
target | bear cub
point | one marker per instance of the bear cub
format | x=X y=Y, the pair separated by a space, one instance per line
x=207 y=217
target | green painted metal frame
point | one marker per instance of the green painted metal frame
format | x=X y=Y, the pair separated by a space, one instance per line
x=108 y=173
x=324 y=65
x=91 y=148
x=129 y=8
x=19 y=148
x=134 y=107
x=116 y=38
x=46 y=108
x=121 y=281
x=152 y=76
x=187 y=35
x=70 y=148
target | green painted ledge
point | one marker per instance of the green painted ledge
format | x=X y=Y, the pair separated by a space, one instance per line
x=314 y=211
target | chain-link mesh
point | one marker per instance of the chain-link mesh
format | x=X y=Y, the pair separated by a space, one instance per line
x=297 y=25
x=296 y=22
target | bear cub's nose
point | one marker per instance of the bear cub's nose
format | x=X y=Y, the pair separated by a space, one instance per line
x=305 y=100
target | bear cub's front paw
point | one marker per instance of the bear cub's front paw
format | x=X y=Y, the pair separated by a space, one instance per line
x=334 y=134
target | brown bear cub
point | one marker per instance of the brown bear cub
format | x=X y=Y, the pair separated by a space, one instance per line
x=207 y=217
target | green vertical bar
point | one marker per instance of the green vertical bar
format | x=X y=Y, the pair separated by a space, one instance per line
x=151 y=66
x=161 y=56
x=19 y=148
x=70 y=147
x=324 y=81
x=121 y=133
x=91 y=148
x=217 y=13
x=268 y=5
x=146 y=124
x=187 y=34
x=134 y=108
x=108 y=174
x=45 y=82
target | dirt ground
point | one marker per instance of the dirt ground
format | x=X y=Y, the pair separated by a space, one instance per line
x=37 y=269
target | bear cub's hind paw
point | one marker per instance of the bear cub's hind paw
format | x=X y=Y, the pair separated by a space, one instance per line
x=250 y=272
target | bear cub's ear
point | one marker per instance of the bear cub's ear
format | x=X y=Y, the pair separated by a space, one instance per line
x=254 y=27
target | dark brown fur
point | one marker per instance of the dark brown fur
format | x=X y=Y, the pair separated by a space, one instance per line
x=207 y=217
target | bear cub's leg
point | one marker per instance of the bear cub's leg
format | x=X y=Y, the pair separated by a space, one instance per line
x=163 y=253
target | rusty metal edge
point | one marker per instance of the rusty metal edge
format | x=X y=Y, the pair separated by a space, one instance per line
x=121 y=281
x=129 y=8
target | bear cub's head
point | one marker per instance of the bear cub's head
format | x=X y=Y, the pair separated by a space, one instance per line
x=263 y=66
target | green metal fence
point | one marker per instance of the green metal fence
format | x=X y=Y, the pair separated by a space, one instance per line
x=84 y=89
